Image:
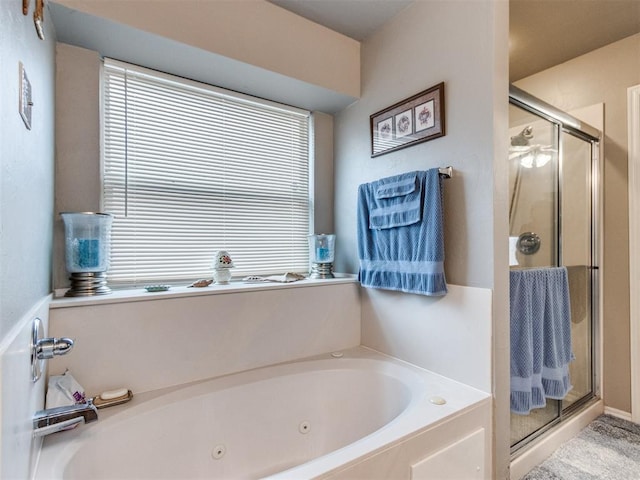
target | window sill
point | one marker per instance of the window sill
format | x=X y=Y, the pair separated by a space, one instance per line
x=141 y=295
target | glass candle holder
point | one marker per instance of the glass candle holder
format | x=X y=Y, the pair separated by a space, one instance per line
x=87 y=245
x=321 y=255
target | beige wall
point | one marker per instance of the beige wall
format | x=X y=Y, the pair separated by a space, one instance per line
x=255 y=32
x=77 y=172
x=603 y=76
x=464 y=44
x=323 y=173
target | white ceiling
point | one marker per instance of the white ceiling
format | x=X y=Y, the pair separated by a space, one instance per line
x=543 y=33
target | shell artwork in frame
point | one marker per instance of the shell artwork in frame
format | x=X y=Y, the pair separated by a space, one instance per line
x=414 y=120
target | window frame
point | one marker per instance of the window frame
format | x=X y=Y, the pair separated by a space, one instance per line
x=223 y=93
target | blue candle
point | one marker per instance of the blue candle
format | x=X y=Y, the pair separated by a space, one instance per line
x=88 y=253
x=322 y=254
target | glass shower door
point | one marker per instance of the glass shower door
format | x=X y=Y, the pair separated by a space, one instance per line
x=533 y=175
x=533 y=222
x=552 y=224
x=576 y=255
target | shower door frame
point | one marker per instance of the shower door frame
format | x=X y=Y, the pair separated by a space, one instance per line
x=633 y=125
x=567 y=124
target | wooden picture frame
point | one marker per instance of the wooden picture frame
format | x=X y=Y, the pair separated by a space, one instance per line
x=414 y=120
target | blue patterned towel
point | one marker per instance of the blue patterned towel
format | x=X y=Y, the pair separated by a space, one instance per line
x=400 y=233
x=540 y=337
x=396 y=203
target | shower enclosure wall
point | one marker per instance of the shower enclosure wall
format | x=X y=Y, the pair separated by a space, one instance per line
x=553 y=187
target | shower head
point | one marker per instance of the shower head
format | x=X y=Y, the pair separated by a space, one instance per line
x=530 y=155
x=523 y=138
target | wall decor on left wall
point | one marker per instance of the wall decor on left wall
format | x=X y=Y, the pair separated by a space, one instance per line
x=25 y=100
x=38 y=18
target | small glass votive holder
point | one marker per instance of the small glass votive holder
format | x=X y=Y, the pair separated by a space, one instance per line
x=87 y=246
x=321 y=255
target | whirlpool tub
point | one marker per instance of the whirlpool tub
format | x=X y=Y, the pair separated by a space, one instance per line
x=306 y=419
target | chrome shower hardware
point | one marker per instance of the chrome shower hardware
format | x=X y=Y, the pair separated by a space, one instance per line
x=57 y=419
x=528 y=243
x=45 y=348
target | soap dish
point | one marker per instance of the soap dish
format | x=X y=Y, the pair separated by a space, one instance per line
x=114 y=397
x=157 y=288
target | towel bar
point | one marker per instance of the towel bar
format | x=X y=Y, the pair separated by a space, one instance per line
x=446 y=172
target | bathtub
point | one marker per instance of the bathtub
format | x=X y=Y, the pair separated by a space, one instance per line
x=299 y=420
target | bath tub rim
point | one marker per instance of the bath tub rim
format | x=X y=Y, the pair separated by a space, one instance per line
x=59 y=449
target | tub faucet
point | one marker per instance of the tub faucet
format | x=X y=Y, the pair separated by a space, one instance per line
x=59 y=418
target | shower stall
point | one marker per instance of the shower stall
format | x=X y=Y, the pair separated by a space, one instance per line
x=553 y=222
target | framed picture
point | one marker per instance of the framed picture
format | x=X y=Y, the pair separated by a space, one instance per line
x=415 y=120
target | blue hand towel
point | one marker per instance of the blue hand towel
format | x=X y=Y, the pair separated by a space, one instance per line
x=400 y=233
x=396 y=202
x=540 y=337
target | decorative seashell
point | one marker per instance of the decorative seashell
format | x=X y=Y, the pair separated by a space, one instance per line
x=203 y=282
x=222 y=259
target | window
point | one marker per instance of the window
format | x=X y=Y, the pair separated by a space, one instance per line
x=189 y=169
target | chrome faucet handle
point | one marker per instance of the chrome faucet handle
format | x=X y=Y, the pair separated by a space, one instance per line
x=56 y=427
x=60 y=418
x=47 y=348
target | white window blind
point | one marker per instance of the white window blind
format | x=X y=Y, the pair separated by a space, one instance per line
x=189 y=169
